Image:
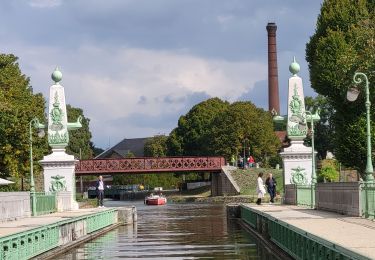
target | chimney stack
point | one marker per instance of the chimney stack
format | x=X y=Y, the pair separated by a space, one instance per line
x=273 y=81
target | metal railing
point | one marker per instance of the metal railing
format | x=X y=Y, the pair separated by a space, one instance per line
x=305 y=196
x=368 y=199
x=296 y=242
x=45 y=202
x=27 y=244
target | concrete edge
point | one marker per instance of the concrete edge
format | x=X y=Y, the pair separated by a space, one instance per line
x=279 y=253
x=64 y=248
x=226 y=170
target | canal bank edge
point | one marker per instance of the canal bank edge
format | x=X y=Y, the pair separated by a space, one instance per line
x=46 y=241
x=296 y=242
x=233 y=214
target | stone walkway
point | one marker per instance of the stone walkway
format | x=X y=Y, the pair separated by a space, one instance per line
x=16 y=226
x=353 y=233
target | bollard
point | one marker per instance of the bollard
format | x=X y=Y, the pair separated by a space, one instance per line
x=135 y=216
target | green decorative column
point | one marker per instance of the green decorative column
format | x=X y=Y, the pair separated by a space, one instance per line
x=59 y=166
x=298 y=159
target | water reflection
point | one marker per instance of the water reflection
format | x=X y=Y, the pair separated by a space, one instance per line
x=174 y=231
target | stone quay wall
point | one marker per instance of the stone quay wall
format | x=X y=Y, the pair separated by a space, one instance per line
x=340 y=197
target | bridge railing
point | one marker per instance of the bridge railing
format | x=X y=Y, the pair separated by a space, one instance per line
x=368 y=199
x=45 y=203
x=150 y=164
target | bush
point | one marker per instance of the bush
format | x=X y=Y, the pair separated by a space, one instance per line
x=328 y=173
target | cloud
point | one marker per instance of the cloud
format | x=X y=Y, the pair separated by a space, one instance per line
x=144 y=90
x=135 y=66
x=45 y=3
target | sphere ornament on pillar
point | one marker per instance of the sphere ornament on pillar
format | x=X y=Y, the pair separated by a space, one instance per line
x=56 y=76
x=294 y=67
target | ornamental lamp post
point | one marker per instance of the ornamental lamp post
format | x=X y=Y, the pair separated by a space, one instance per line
x=312 y=118
x=33 y=123
x=352 y=95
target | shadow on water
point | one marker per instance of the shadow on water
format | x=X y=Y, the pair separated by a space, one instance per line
x=174 y=231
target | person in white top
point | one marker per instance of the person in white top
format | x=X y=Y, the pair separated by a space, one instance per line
x=261 y=191
x=100 y=191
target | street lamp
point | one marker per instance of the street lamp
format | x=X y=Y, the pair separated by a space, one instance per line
x=352 y=95
x=33 y=123
x=312 y=118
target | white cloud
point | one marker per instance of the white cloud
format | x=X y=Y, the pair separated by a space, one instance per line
x=45 y=3
x=108 y=84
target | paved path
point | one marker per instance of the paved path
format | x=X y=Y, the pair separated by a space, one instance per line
x=353 y=233
x=12 y=227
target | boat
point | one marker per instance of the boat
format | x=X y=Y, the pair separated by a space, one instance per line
x=155 y=200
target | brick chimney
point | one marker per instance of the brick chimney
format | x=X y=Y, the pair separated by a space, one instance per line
x=273 y=81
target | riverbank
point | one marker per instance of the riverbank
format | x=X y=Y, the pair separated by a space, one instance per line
x=218 y=199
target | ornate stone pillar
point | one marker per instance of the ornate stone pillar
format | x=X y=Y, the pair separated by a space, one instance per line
x=297 y=158
x=58 y=167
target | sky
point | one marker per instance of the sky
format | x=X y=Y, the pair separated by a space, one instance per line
x=136 y=66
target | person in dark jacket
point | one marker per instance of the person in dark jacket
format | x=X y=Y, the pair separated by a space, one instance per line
x=100 y=191
x=271 y=187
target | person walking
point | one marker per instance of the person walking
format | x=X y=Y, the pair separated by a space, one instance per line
x=100 y=191
x=271 y=187
x=260 y=188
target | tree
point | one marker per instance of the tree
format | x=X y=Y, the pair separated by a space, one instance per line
x=79 y=140
x=96 y=150
x=324 y=129
x=18 y=106
x=156 y=146
x=194 y=129
x=343 y=43
x=243 y=120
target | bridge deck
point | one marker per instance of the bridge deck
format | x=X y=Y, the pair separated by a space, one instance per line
x=351 y=233
x=150 y=165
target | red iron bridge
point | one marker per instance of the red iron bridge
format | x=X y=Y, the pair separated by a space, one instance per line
x=149 y=165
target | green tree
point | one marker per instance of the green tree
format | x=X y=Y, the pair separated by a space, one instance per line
x=96 y=150
x=194 y=129
x=156 y=146
x=324 y=128
x=18 y=106
x=243 y=120
x=79 y=140
x=343 y=43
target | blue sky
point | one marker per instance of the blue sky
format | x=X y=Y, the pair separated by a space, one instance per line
x=135 y=66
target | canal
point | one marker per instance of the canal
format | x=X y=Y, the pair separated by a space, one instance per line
x=174 y=231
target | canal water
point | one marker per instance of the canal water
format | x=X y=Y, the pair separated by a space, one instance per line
x=173 y=231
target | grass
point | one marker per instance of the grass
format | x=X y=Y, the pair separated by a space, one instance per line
x=247 y=179
x=86 y=203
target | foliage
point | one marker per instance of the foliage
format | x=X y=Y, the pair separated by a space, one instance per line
x=343 y=43
x=10 y=187
x=156 y=146
x=244 y=124
x=324 y=129
x=18 y=106
x=79 y=140
x=215 y=127
x=96 y=150
x=194 y=129
x=329 y=171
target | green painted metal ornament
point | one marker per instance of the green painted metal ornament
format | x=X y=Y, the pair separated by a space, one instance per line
x=56 y=76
